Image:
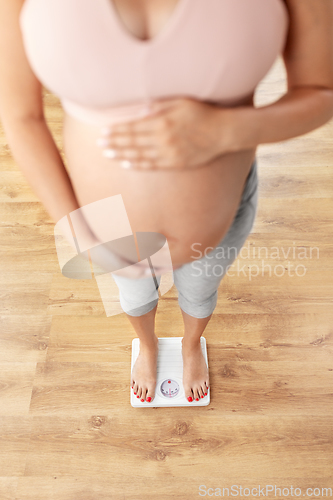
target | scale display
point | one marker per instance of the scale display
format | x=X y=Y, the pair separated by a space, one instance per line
x=169 y=389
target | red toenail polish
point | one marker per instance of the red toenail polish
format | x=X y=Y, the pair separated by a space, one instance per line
x=202 y=396
x=135 y=393
x=189 y=399
x=197 y=399
x=149 y=399
x=205 y=393
x=137 y=396
x=142 y=399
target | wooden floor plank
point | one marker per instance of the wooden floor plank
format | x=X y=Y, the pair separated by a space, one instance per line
x=181 y=446
x=15 y=432
x=16 y=383
x=8 y=487
x=289 y=336
x=244 y=379
x=163 y=487
x=24 y=338
x=24 y=292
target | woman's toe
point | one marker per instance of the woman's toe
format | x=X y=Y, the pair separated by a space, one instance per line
x=149 y=395
x=143 y=394
x=135 y=388
x=188 y=394
x=195 y=392
x=201 y=392
x=151 y=390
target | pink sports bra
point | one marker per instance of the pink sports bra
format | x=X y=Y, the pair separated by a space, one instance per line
x=213 y=50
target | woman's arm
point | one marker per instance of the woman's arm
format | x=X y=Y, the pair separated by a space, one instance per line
x=22 y=116
x=308 y=103
x=29 y=138
x=31 y=143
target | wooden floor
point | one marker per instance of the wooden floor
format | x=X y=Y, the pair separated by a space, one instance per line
x=68 y=431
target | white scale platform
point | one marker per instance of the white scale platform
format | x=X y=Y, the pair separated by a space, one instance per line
x=169 y=387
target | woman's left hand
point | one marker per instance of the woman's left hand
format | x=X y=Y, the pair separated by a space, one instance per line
x=174 y=134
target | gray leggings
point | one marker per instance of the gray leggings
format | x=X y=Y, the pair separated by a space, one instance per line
x=197 y=282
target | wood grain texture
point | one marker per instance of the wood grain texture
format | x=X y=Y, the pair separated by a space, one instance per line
x=67 y=429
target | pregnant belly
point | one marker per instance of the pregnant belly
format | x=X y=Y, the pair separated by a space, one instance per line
x=195 y=205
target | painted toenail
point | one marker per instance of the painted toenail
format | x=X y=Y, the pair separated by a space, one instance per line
x=205 y=393
x=202 y=396
x=142 y=399
x=137 y=396
x=135 y=393
x=149 y=399
x=189 y=399
x=197 y=399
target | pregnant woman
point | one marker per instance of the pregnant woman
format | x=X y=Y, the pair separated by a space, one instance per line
x=158 y=102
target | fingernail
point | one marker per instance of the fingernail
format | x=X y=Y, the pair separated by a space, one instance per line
x=189 y=399
x=109 y=153
x=126 y=164
x=149 y=399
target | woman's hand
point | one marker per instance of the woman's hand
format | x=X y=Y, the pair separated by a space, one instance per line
x=176 y=133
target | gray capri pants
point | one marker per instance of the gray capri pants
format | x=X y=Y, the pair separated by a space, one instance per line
x=197 y=282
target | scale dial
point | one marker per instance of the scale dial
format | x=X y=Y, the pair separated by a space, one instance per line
x=169 y=388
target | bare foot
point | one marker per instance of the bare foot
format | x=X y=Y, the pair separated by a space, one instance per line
x=143 y=377
x=195 y=371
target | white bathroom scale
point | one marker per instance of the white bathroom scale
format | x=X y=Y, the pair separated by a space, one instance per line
x=169 y=387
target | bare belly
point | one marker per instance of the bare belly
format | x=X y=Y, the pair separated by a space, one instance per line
x=195 y=205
